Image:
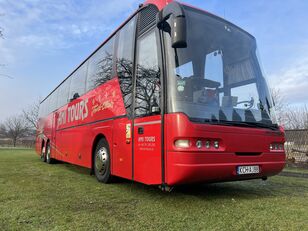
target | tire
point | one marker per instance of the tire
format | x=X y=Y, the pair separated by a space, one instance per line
x=43 y=156
x=49 y=160
x=101 y=162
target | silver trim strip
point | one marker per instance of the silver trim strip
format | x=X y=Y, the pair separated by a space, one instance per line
x=148 y=123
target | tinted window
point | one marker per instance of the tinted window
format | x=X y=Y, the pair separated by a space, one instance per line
x=148 y=75
x=53 y=101
x=78 y=81
x=63 y=93
x=47 y=106
x=101 y=66
x=125 y=62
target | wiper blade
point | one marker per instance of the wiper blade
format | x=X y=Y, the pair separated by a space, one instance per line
x=250 y=124
x=234 y=123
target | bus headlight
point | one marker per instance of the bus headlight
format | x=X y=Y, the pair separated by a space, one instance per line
x=182 y=143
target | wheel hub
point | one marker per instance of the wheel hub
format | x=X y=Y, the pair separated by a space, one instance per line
x=101 y=159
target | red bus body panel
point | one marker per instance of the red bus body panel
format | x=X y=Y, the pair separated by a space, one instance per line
x=159 y=3
x=237 y=146
x=147 y=150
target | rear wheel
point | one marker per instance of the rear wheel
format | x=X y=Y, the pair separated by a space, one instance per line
x=43 y=156
x=102 y=162
x=49 y=160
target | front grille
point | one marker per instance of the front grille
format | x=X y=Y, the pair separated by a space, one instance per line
x=248 y=153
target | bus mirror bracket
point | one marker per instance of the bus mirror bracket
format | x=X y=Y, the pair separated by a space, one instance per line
x=178 y=27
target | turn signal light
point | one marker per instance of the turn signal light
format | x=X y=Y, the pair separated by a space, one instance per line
x=208 y=144
x=199 y=144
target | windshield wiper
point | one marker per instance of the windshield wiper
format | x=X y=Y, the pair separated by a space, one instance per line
x=249 y=124
x=235 y=123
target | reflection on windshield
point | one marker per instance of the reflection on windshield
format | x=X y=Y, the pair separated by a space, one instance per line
x=217 y=77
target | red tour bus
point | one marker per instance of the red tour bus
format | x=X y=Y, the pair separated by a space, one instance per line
x=175 y=95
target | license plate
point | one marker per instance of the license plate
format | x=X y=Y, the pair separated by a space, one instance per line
x=242 y=170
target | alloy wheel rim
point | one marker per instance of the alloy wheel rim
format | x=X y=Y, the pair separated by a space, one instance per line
x=101 y=159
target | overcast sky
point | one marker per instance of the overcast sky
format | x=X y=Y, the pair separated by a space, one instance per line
x=46 y=39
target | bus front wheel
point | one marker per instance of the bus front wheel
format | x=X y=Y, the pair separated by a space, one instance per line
x=102 y=162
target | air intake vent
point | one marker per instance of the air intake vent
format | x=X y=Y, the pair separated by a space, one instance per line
x=147 y=18
x=248 y=153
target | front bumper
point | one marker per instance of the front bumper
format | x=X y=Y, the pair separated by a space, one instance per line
x=186 y=167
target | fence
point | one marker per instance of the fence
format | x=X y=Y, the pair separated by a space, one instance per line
x=296 y=146
x=27 y=143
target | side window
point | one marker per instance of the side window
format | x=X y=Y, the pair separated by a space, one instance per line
x=124 y=63
x=101 y=66
x=78 y=81
x=42 y=110
x=148 y=76
x=53 y=100
x=47 y=105
x=63 y=93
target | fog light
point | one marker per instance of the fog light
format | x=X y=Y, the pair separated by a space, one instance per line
x=271 y=147
x=181 y=143
x=199 y=144
x=276 y=147
x=207 y=144
x=216 y=144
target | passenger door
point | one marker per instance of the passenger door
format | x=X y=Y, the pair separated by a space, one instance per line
x=147 y=123
x=122 y=155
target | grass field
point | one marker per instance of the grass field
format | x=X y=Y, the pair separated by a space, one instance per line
x=37 y=196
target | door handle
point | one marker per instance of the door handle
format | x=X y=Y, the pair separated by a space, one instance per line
x=140 y=130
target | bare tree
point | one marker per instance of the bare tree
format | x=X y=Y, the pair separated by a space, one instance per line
x=281 y=105
x=296 y=117
x=2 y=131
x=15 y=127
x=31 y=114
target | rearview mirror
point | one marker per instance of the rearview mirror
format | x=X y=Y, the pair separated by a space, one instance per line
x=178 y=33
x=178 y=27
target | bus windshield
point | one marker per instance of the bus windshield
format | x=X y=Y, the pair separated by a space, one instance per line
x=217 y=78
